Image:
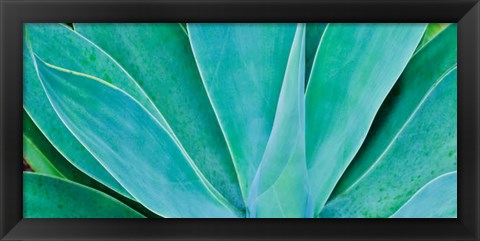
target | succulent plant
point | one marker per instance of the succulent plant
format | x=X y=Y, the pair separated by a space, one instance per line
x=240 y=120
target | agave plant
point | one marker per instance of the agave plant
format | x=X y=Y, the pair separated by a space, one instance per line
x=240 y=120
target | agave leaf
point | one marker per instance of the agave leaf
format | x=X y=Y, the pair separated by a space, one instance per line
x=160 y=58
x=38 y=107
x=355 y=67
x=184 y=28
x=280 y=186
x=37 y=160
x=131 y=144
x=51 y=197
x=242 y=67
x=36 y=149
x=422 y=73
x=40 y=154
x=440 y=193
x=312 y=39
x=424 y=148
x=60 y=45
x=433 y=29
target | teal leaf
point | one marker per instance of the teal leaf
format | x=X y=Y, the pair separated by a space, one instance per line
x=243 y=76
x=280 y=187
x=38 y=107
x=423 y=72
x=312 y=39
x=36 y=150
x=131 y=144
x=160 y=58
x=355 y=67
x=51 y=197
x=61 y=46
x=424 y=148
x=45 y=159
x=433 y=29
x=437 y=199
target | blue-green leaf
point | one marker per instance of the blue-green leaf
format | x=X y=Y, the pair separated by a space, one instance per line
x=38 y=107
x=61 y=46
x=280 y=187
x=437 y=199
x=355 y=67
x=159 y=57
x=312 y=39
x=423 y=72
x=424 y=148
x=242 y=67
x=131 y=144
x=52 y=197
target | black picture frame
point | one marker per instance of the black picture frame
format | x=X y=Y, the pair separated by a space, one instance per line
x=16 y=12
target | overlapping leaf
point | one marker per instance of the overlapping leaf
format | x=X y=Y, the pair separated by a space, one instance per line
x=312 y=39
x=280 y=187
x=426 y=68
x=159 y=58
x=437 y=199
x=355 y=67
x=38 y=107
x=52 y=197
x=243 y=76
x=131 y=144
x=424 y=148
x=194 y=120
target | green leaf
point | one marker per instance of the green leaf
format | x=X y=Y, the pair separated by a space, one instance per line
x=424 y=148
x=423 y=72
x=355 y=67
x=433 y=29
x=61 y=46
x=132 y=144
x=437 y=199
x=280 y=187
x=184 y=28
x=52 y=197
x=47 y=160
x=37 y=160
x=38 y=107
x=36 y=149
x=242 y=67
x=160 y=58
x=312 y=39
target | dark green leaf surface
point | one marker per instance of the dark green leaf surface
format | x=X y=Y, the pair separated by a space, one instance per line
x=424 y=148
x=160 y=58
x=35 y=149
x=423 y=72
x=312 y=39
x=243 y=76
x=52 y=197
x=280 y=187
x=131 y=144
x=355 y=67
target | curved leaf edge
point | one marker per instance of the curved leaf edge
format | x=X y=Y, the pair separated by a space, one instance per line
x=90 y=189
x=218 y=197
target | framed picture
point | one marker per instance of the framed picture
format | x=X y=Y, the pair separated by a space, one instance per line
x=160 y=120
